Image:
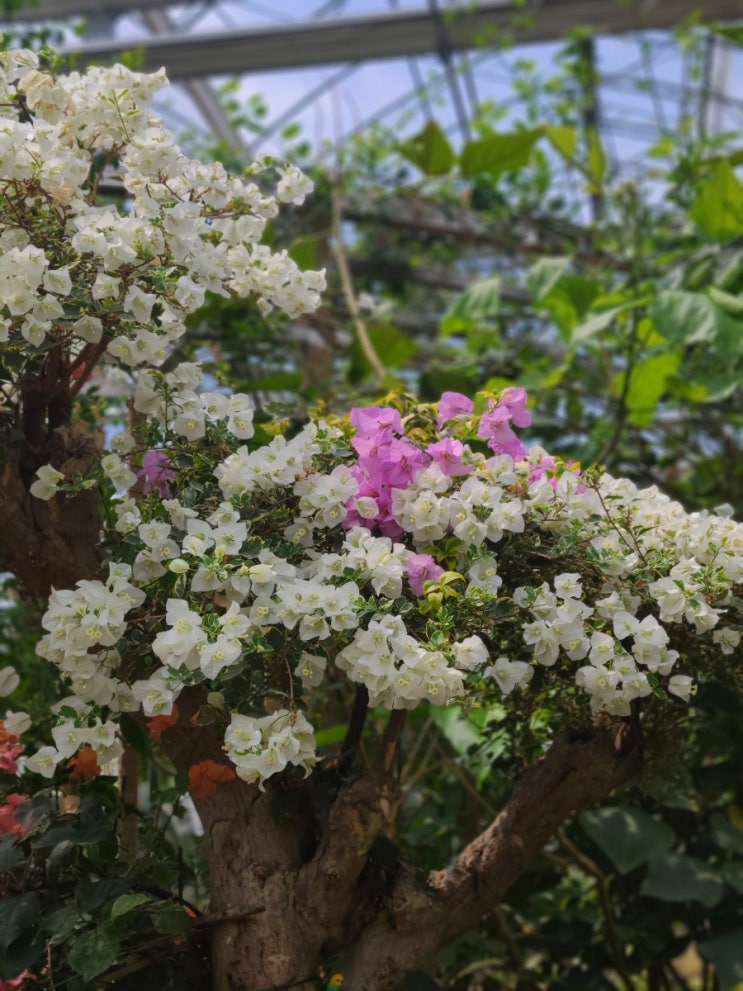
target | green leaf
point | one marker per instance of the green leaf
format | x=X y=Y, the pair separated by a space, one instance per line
x=127 y=903
x=726 y=301
x=135 y=734
x=430 y=150
x=717 y=387
x=393 y=346
x=569 y=300
x=88 y=826
x=627 y=836
x=90 y=895
x=305 y=251
x=725 y=834
x=18 y=914
x=11 y=854
x=331 y=734
x=21 y=955
x=499 y=153
x=435 y=380
x=275 y=382
x=459 y=731
x=732 y=874
x=563 y=139
x=596 y=322
x=473 y=307
x=718 y=209
x=728 y=338
x=60 y=924
x=683 y=317
x=173 y=921
x=543 y=276
x=677 y=878
x=734 y=34
x=94 y=952
x=724 y=953
x=596 y=163
x=648 y=382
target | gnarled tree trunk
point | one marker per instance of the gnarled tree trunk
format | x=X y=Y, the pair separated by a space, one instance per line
x=290 y=876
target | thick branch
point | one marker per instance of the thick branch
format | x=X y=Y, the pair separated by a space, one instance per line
x=575 y=773
x=354 y=821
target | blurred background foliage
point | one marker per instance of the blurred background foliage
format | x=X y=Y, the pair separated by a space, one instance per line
x=515 y=259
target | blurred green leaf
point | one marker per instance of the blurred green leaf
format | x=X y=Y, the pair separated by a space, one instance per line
x=127 y=903
x=678 y=878
x=305 y=251
x=393 y=346
x=724 y=953
x=499 y=153
x=135 y=734
x=17 y=914
x=734 y=33
x=596 y=162
x=732 y=874
x=683 y=317
x=173 y=920
x=648 y=382
x=718 y=208
x=474 y=306
x=726 y=835
x=430 y=150
x=94 y=952
x=629 y=837
x=544 y=274
x=563 y=139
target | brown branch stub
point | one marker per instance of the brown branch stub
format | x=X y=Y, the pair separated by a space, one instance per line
x=54 y=543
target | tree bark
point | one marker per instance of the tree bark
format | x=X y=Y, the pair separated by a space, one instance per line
x=289 y=871
x=574 y=774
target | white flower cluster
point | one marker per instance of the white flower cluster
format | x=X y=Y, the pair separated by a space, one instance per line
x=565 y=626
x=84 y=626
x=280 y=463
x=353 y=553
x=124 y=282
x=261 y=747
x=614 y=632
x=174 y=400
x=398 y=672
x=481 y=509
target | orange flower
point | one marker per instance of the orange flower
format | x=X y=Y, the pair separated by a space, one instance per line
x=158 y=724
x=5 y=736
x=85 y=765
x=203 y=777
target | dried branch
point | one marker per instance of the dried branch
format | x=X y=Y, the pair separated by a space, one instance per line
x=344 y=272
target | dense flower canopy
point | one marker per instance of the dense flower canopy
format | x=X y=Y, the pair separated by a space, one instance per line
x=421 y=552
x=411 y=558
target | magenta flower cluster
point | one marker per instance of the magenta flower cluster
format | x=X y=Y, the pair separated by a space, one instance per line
x=388 y=460
x=156 y=473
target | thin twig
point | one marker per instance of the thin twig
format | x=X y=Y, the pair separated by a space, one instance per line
x=466 y=780
x=356 y=723
x=512 y=945
x=592 y=868
x=344 y=272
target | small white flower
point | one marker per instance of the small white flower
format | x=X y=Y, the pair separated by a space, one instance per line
x=9 y=680
x=47 y=482
x=682 y=686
